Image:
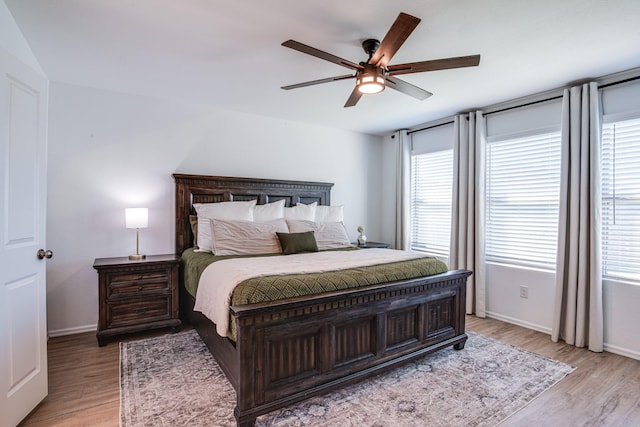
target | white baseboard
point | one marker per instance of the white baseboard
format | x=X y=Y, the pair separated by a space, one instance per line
x=71 y=331
x=622 y=351
x=519 y=322
x=607 y=347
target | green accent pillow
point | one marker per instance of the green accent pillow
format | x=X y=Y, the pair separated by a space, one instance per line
x=295 y=243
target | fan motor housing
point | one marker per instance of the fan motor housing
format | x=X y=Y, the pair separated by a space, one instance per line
x=370 y=46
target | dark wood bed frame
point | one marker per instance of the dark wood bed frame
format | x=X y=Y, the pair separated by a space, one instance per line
x=290 y=350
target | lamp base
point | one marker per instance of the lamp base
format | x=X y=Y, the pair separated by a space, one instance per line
x=137 y=257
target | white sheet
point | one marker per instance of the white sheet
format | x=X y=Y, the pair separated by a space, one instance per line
x=220 y=278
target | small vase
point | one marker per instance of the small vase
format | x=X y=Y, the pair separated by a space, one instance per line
x=362 y=240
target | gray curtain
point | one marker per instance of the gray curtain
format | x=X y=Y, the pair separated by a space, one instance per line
x=403 y=190
x=466 y=250
x=578 y=316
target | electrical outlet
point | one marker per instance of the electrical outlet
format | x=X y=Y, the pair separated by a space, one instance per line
x=524 y=291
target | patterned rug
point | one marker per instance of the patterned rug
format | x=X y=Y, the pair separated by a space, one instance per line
x=173 y=380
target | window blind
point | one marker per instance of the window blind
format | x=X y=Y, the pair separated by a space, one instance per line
x=621 y=200
x=431 y=194
x=522 y=200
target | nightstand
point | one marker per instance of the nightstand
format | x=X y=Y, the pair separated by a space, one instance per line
x=136 y=295
x=370 y=245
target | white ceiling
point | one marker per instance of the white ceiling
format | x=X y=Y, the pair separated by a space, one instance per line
x=227 y=54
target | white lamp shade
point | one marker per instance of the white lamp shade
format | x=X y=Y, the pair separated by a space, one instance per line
x=136 y=217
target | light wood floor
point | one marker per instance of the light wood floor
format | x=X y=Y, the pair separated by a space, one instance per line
x=604 y=390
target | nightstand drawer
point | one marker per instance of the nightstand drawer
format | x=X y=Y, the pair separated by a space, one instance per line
x=133 y=283
x=134 y=312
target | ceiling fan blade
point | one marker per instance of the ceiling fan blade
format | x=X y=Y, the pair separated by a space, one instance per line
x=400 y=30
x=319 y=81
x=436 y=64
x=407 y=88
x=353 y=98
x=321 y=54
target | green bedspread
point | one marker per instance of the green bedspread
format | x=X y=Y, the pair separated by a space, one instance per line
x=194 y=263
x=272 y=288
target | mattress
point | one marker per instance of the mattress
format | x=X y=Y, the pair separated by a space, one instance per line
x=272 y=287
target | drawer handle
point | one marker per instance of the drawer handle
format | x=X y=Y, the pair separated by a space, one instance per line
x=140 y=276
x=141 y=310
x=140 y=288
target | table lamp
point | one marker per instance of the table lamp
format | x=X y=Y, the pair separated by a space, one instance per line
x=137 y=218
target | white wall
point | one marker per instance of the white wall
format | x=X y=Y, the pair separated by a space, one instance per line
x=621 y=318
x=503 y=299
x=108 y=151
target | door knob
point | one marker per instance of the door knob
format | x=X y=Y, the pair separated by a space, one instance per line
x=42 y=254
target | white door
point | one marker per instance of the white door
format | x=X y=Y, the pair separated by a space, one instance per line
x=23 y=333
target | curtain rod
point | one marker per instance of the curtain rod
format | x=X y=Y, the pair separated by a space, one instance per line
x=549 y=98
x=430 y=127
x=630 y=79
x=540 y=101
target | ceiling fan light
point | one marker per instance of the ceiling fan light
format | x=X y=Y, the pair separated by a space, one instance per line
x=370 y=81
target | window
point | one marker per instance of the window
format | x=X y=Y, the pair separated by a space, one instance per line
x=522 y=200
x=621 y=200
x=431 y=194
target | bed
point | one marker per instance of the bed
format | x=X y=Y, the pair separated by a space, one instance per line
x=289 y=350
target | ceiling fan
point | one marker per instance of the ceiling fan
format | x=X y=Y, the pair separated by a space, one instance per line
x=375 y=74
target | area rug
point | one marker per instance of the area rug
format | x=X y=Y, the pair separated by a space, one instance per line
x=173 y=380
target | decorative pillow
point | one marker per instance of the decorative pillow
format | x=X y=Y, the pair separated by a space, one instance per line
x=246 y=237
x=242 y=211
x=269 y=212
x=329 y=235
x=301 y=212
x=295 y=243
x=329 y=213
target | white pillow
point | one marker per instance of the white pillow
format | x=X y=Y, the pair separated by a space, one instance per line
x=247 y=237
x=301 y=212
x=329 y=235
x=329 y=214
x=224 y=210
x=269 y=212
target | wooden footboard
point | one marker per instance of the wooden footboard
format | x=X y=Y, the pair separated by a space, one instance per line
x=291 y=350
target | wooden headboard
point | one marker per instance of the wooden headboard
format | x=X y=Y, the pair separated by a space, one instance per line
x=192 y=189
